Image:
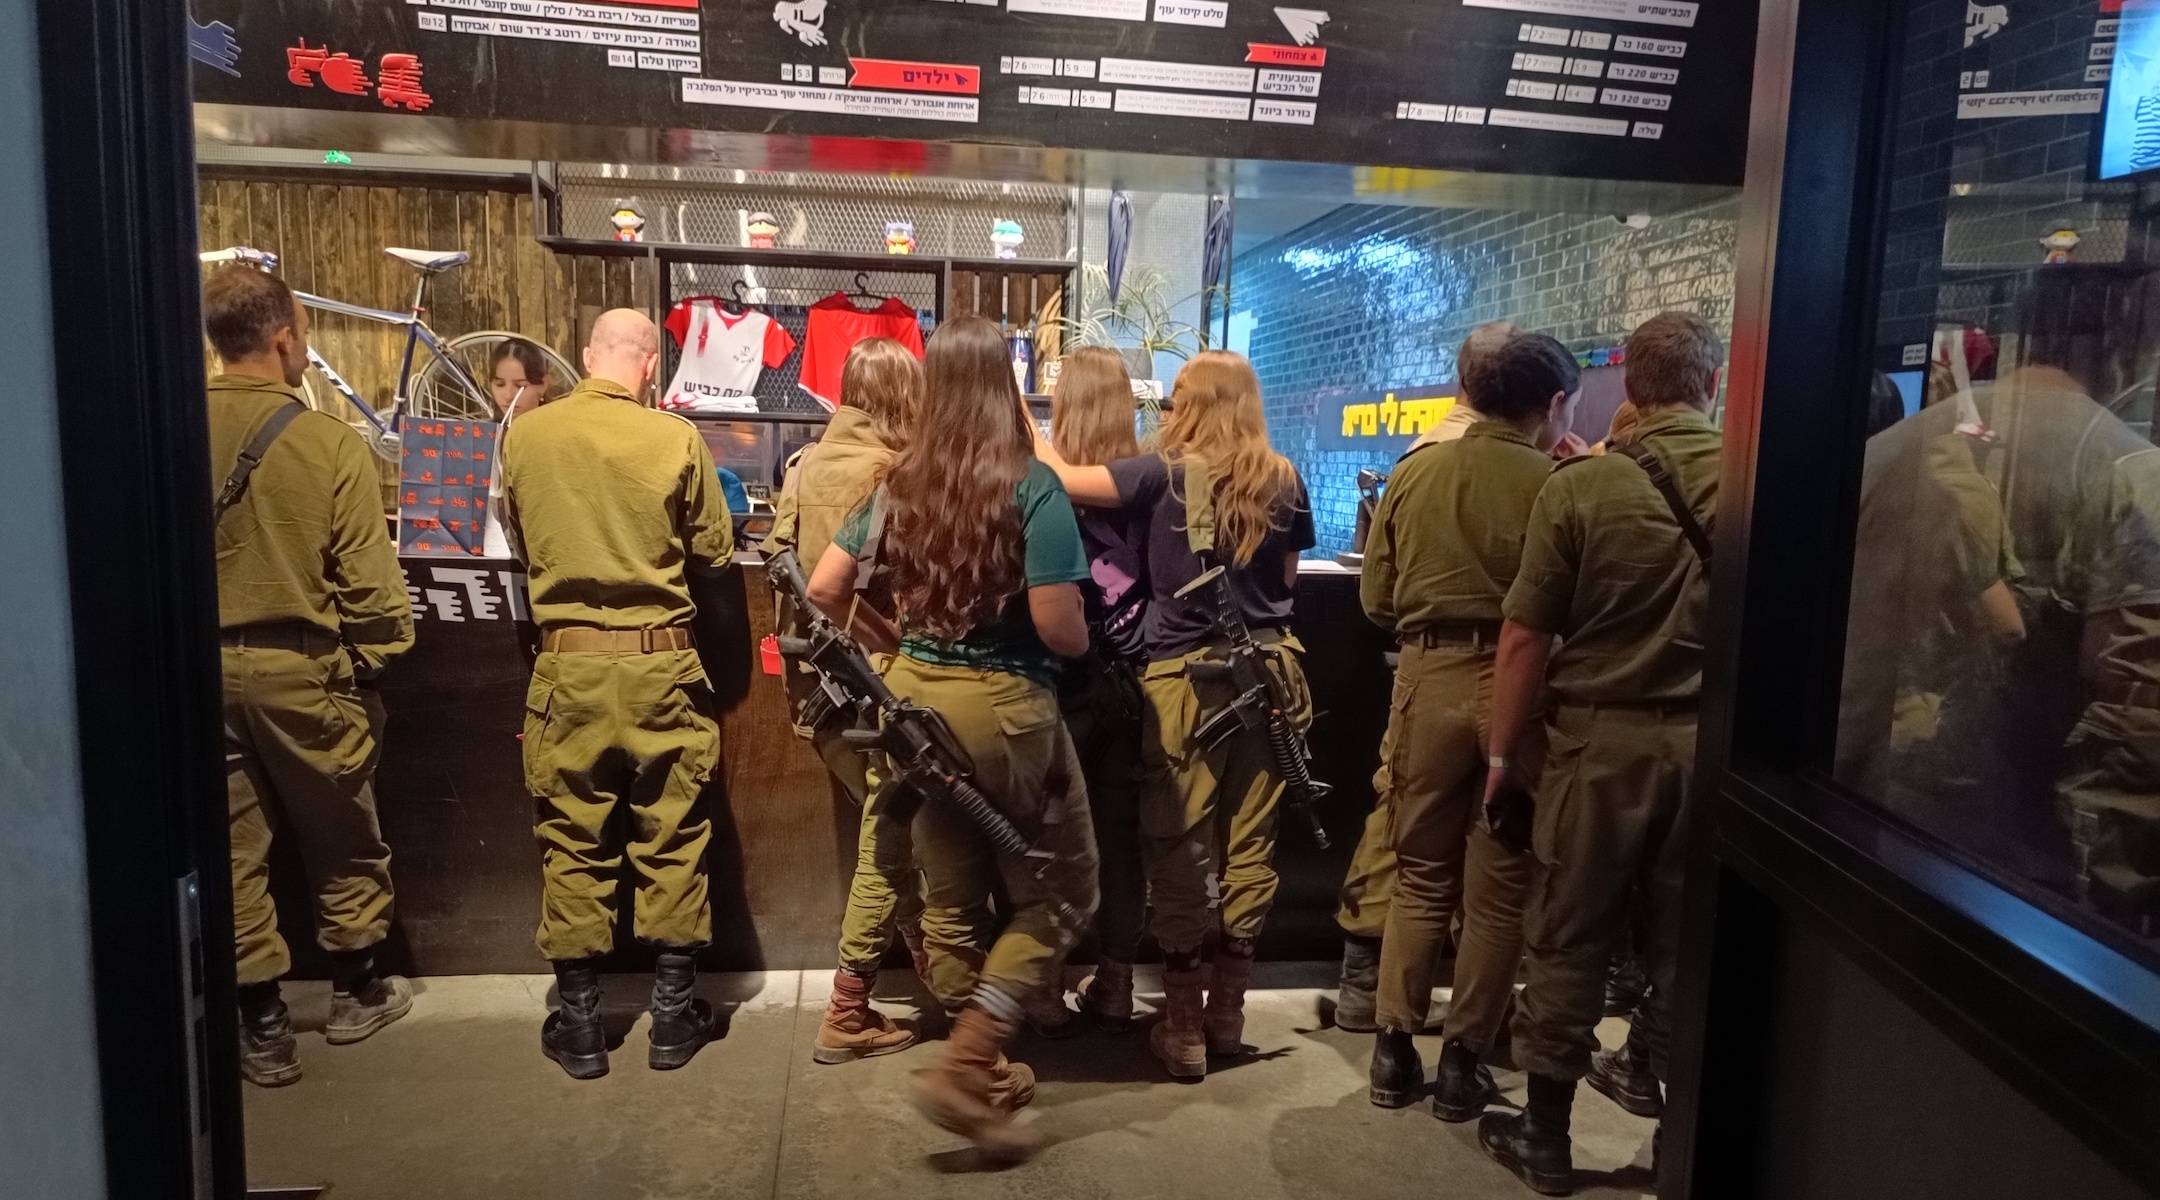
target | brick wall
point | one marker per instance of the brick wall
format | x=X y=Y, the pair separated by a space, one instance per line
x=1372 y=297
x=1969 y=200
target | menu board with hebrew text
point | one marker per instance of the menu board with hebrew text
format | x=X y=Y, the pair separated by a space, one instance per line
x=1653 y=90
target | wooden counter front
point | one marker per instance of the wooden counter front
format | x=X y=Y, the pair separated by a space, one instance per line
x=459 y=823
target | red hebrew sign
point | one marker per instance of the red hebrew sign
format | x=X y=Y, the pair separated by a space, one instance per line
x=916 y=76
x=1286 y=56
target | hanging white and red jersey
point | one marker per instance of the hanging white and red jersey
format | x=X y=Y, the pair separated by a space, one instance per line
x=722 y=355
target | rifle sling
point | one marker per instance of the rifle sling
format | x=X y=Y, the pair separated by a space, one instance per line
x=251 y=456
x=1646 y=458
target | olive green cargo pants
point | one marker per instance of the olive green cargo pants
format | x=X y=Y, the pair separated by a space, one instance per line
x=604 y=729
x=1024 y=762
x=1448 y=863
x=2110 y=798
x=885 y=895
x=1369 y=886
x=300 y=753
x=1611 y=822
x=885 y=891
x=1208 y=813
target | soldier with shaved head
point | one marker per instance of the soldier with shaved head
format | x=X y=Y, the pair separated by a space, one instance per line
x=616 y=512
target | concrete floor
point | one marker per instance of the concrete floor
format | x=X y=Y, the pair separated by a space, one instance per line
x=456 y=1101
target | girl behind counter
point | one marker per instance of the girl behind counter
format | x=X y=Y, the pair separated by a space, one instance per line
x=1091 y=424
x=517 y=378
x=1208 y=811
x=985 y=561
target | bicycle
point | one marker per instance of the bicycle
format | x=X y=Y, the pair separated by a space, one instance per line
x=448 y=385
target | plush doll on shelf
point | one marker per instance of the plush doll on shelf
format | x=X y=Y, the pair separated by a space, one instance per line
x=1005 y=238
x=628 y=220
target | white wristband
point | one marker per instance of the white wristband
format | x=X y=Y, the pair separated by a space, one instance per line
x=1496 y=760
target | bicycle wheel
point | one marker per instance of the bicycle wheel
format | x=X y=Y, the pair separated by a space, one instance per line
x=437 y=392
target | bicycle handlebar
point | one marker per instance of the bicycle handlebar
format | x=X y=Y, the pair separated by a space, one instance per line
x=241 y=254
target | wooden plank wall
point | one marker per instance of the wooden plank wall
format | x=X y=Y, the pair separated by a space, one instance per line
x=330 y=240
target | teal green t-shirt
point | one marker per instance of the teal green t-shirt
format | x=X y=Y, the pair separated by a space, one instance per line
x=1054 y=554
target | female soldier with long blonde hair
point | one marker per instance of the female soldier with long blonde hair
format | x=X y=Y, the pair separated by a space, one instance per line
x=985 y=562
x=1208 y=812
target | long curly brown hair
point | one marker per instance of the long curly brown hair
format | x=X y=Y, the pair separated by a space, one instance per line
x=956 y=546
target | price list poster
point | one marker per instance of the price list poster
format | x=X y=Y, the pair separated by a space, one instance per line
x=1650 y=90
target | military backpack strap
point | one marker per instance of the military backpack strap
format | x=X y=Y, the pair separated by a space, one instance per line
x=787 y=510
x=1199 y=506
x=236 y=484
x=1646 y=458
x=866 y=561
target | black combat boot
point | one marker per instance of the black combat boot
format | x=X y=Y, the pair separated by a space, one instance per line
x=1354 y=994
x=1534 y=1143
x=1464 y=1085
x=681 y=1023
x=269 y=1057
x=1397 y=1073
x=1625 y=984
x=1623 y=1076
x=572 y=1035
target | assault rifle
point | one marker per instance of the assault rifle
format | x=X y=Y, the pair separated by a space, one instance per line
x=1261 y=704
x=922 y=748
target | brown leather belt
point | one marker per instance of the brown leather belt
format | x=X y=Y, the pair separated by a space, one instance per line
x=1478 y=635
x=579 y=639
x=297 y=638
x=2129 y=695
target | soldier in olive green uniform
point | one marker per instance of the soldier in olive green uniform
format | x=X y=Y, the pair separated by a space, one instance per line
x=2110 y=796
x=1369 y=885
x=616 y=512
x=1610 y=567
x=1444 y=547
x=985 y=559
x=880 y=389
x=311 y=605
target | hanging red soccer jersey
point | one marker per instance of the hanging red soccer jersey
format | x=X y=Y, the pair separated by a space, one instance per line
x=722 y=355
x=836 y=324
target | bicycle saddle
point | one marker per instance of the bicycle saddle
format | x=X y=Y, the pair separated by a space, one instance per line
x=430 y=261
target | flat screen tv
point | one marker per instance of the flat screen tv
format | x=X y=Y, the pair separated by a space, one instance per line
x=2130 y=117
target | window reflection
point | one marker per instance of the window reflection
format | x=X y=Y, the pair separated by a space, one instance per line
x=2002 y=674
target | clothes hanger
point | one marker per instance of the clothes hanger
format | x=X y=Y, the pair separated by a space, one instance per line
x=738 y=303
x=862 y=287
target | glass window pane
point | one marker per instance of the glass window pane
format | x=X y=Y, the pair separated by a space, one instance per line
x=2002 y=672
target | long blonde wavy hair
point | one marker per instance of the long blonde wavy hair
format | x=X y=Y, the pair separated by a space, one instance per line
x=1215 y=416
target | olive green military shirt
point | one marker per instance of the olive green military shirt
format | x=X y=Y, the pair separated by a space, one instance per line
x=2112 y=571
x=609 y=503
x=307 y=542
x=1606 y=567
x=1448 y=535
x=829 y=480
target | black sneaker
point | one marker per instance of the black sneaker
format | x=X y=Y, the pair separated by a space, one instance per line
x=1623 y=1079
x=1464 y=1085
x=269 y=1054
x=358 y=1015
x=1545 y=1161
x=1397 y=1073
